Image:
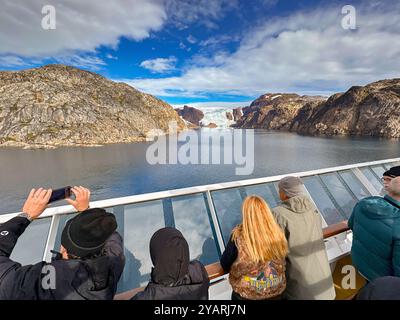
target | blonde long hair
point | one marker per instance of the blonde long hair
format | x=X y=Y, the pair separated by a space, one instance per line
x=263 y=239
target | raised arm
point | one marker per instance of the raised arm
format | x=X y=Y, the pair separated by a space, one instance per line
x=11 y=230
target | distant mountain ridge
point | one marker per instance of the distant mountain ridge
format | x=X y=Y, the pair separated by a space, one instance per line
x=58 y=105
x=371 y=110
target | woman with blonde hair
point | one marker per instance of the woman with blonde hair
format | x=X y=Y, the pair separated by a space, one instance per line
x=255 y=254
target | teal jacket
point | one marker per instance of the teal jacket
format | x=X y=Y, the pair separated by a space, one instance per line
x=375 y=251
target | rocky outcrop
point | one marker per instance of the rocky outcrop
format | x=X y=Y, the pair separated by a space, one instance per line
x=58 y=105
x=211 y=125
x=372 y=110
x=191 y=114
x=237 y=113
x=274 y=111
x=229 y=116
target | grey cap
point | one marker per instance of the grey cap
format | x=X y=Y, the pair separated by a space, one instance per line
x=291 y=186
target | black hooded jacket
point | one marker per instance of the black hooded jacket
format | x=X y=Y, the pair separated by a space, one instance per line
x=92 y=279
x=173 y=276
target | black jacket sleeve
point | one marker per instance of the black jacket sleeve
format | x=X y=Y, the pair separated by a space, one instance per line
x=114 y=246
x=10 y=231
x=114 y=249
x=229 y=256
x=16 y=281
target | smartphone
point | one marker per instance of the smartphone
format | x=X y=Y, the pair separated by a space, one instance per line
x=60 y=194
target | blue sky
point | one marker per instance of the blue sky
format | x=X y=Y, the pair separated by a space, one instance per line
x=209 y=51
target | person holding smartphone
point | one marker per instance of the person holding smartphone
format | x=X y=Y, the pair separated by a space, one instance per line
x=90 y=261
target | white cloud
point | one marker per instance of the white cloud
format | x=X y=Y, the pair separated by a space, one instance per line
x=214 y=104
x=182 y=45
x=110 y=56
x=305 y=52
x=83 y=26
x=80 y=25
x=205 y=12
x=159 y=65
x=11 y=61
x=218 y=40
x=82 y=61
x=191 y=39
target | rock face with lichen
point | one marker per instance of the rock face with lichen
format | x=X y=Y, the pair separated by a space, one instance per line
x=58 y=105
x=237 y=113
x=274 y=111
x=211 y=125
x=190 y=114
x=371 y=110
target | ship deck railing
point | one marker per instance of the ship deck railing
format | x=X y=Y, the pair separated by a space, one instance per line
x=206 y=214
x=217 y=274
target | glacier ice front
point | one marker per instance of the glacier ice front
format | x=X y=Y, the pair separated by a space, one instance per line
x=216 y=115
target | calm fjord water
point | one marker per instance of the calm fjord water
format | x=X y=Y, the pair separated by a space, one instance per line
x=122 y=169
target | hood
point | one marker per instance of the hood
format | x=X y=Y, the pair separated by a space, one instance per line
x=99 y=271
x=380 y=208
x=194 y=286
x=169 y=252
x=299 y=204
x=88 y=279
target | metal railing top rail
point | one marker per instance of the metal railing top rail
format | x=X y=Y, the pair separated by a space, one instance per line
x=67 y=209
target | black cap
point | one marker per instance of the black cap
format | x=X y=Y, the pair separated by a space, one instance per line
x=393 y=172
x=86 y=234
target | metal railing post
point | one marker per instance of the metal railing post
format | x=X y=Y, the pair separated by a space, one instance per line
x=363 y=179
x=215 y=222
x=51 y=238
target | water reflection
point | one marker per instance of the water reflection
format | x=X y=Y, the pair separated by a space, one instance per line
x=122 y=169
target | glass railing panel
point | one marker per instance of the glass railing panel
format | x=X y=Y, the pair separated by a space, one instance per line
x=387 y=166
x=138 y=222
x=378 y=170
x=354 y=184
x=192 y=217
x=376 y=183
x=267 y=191
x=227 y=204
x=391 y=164
x=31 y=244
x=340 y=193
x=322 y=200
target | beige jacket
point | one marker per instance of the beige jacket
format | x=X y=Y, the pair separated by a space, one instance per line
x=308 y=273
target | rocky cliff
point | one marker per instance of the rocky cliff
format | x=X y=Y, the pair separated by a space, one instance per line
x=190 y=114
x=371 y=110
x=237 y=113
x=274 y=111
x=58 y=105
